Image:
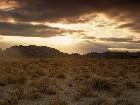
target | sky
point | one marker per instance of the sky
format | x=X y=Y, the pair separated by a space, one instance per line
x=72 y=26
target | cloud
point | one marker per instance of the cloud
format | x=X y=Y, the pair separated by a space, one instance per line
x=7 y=5
x=89 y=46
x=1 y=38
x=4 y=44
x=23 y=29
x=71 y=11
x=133 y=26
x=128 y=39
x=39 y=10
x=23 y=12
x=122 y=45
x=113 y=39
x=120 y=40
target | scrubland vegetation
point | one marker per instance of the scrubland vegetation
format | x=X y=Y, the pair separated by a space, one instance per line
x=69 y=81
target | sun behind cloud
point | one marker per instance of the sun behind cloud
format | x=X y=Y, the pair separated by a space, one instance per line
x=71 y=25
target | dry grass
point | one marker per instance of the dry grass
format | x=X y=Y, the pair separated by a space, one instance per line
x=74 y=80
x=57 y=101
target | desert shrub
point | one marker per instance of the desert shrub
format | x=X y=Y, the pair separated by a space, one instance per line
x=130 y=85
x=100 y=83
x=85 y=90
x=60 y=75
x=17 y=92
x=46 y=89
x=82 y=87
x=117 y=91
x=36 y=72
x=104 y=101
x=3 y=81
x=58 y=101
x=11 y=79
x=16 y=79
x=124 y=102
x=45 y=86
x=83 y=84
x=99 y=101
x=10 y=101
x=35 y=94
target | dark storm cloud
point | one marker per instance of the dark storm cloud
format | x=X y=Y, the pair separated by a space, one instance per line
x=120 y=40
x=112 y=39
x=88 y=37
x=125 y=45
x=71 y=10
x=133 y=26
x=39 y=10
x=128 y=39
x=22 y=29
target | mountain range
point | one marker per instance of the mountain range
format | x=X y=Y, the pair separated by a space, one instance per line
x=44 y=51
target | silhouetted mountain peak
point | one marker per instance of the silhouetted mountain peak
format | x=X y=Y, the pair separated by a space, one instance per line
x=32 y=51
x=44 y=51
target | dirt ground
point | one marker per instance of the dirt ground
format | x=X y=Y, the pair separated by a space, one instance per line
x=69 y=81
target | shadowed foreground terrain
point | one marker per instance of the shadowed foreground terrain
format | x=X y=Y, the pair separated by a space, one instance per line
x=69 y=81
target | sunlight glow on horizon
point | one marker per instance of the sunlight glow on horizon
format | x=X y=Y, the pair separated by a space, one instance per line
x=124 y=49
x=96 y=27
x=99 y=26
x=63 y=43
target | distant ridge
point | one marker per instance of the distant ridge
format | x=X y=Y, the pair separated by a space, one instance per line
x=32 y=51
x=118 y=55
x=44 y=51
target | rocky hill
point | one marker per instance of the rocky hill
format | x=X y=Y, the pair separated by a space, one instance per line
x=32 y=51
